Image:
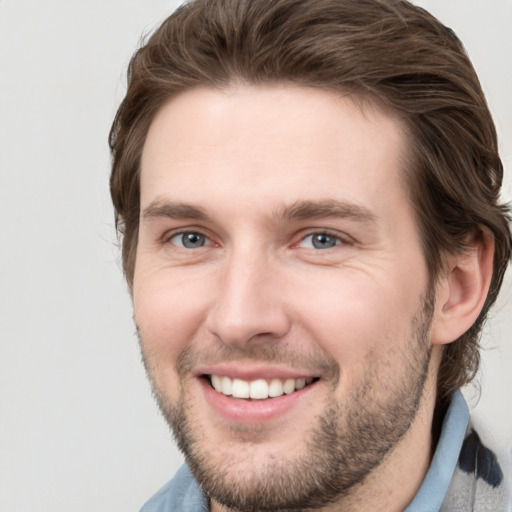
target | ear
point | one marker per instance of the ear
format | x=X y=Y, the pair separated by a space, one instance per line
x=462 y=290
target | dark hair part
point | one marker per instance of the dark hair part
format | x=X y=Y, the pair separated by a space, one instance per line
x=387 y=49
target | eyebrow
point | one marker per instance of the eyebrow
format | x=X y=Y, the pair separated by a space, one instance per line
x=324 y=209
x=172 y=210
x=299 y=210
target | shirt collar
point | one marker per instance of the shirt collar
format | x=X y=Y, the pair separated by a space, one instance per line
x=432 y=492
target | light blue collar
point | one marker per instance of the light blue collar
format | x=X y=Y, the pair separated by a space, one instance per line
x=432 y=492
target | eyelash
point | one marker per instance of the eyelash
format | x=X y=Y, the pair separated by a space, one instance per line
x=340 y=239
x=166 y=239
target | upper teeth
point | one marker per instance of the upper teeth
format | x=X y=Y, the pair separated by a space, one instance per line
x=258 y=389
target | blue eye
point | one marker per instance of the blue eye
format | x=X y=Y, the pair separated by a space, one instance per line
x=189 y=240
x=320 y=241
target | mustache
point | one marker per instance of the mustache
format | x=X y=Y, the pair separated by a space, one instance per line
x=279 y=354
x=214 y=351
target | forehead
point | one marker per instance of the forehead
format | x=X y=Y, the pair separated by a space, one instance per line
x=278 y=143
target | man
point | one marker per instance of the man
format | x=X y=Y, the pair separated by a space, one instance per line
x=308 y=194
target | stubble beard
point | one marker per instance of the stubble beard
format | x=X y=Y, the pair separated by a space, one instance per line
x=350 y=439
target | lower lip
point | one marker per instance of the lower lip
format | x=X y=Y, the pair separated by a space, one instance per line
x=251 y=412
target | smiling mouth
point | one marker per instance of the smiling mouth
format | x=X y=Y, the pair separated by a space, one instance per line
x=259 y=389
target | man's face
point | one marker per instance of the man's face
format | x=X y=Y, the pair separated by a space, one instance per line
x=278 y=255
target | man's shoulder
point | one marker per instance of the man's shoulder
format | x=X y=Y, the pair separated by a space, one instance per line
x=181 y=494
x=482 y=476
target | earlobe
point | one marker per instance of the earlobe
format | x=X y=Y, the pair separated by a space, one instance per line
x=462 y=291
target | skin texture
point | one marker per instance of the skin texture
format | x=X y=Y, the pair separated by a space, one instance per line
x=253 y=173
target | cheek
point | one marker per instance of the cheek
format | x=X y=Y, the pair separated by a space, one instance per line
x=352 y=318
x=168 y=312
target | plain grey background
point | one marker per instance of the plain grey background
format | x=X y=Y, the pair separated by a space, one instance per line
x=78 y=428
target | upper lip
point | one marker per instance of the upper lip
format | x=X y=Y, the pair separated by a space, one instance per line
x=252 y=373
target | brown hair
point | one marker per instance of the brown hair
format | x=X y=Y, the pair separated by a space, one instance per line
x=388 y=49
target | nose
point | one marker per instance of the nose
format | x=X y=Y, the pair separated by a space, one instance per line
x=249 y=306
